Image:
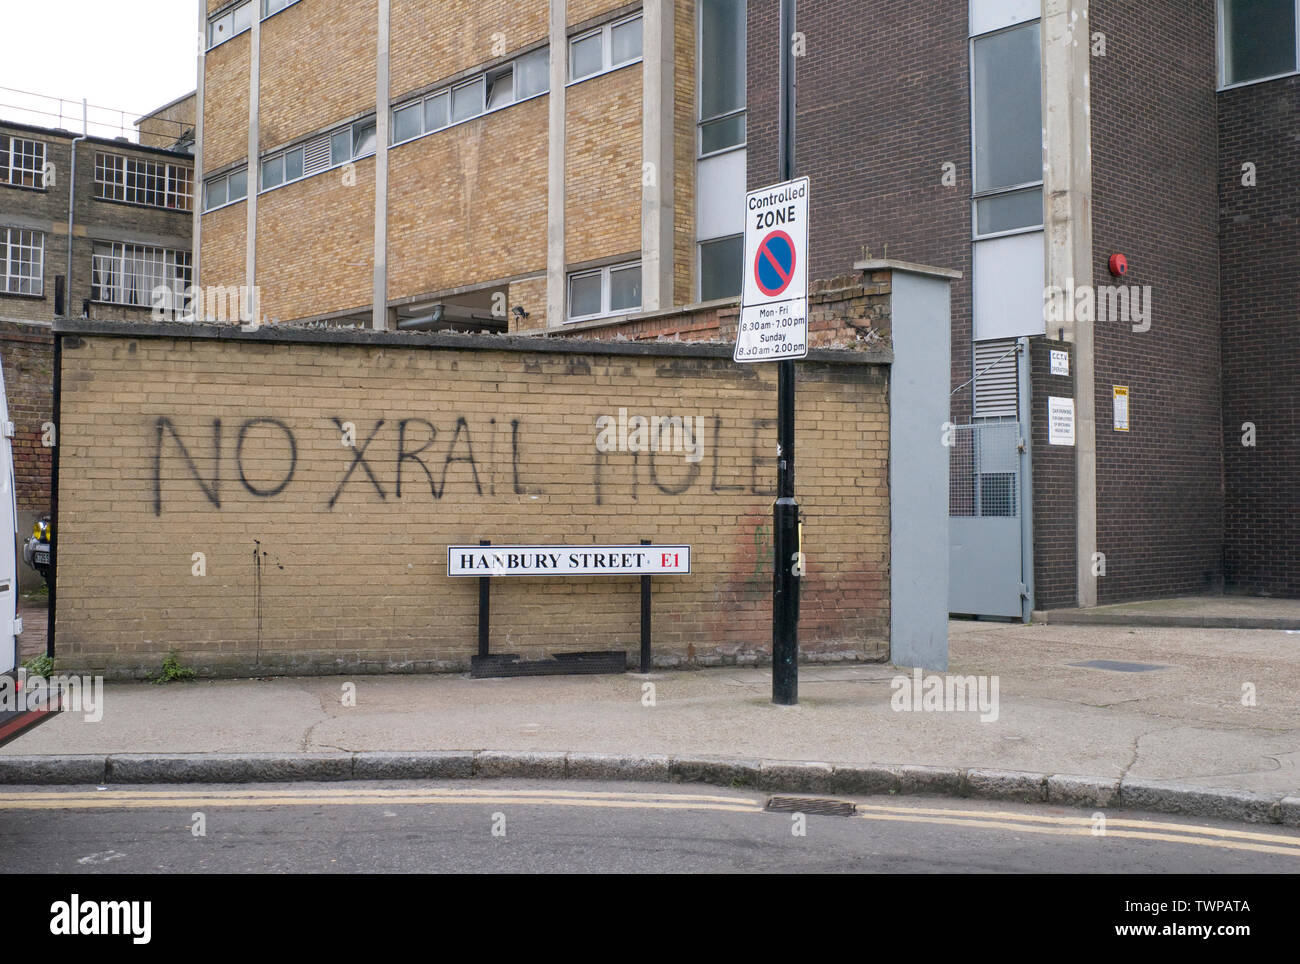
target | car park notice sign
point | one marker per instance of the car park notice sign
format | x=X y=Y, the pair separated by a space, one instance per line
x=774 y=305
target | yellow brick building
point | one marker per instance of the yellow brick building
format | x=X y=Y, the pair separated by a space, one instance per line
x=485 y=164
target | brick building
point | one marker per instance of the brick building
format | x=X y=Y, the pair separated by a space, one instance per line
x=131 y=229
x=399 y=163
x=437 y=165
x=1025 y=143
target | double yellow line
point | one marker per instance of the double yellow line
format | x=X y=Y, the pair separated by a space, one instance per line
x=1086 y=826
x=343 y=795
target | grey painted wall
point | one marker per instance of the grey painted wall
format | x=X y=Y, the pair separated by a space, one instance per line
x=918 y=471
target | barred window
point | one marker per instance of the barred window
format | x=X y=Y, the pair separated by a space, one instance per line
x=138 y=181
x=140 y=276
x=22 y=162
x=23 y=272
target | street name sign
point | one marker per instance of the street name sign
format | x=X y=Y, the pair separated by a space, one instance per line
x=568 y=560
x=774 y=305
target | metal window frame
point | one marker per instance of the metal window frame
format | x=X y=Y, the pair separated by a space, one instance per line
x=350 y=129
x=997 y=192
x=39 y=154
x=604 y=273
x=1221 y=50
x=224 y=177
x=606 y=32
x=167 y=261
x=36 y=246
x=699 y=262
x=229 y=11
x=483 y=77
x=700 y=119
x=127 y=173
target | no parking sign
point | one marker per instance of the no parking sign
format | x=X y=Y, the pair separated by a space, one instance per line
x=774 y=309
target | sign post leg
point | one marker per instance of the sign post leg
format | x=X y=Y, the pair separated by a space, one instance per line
x=785 y=513
x=484 y=607
x=645 y=619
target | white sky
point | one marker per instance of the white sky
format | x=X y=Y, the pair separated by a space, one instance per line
x=128 y=56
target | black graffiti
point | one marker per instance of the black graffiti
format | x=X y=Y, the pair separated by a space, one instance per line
x=213 y=490
x=439 y=487
x=293 y=457
x=359 y=458
x=405 y=456
x=717 y=447
x=694 y=467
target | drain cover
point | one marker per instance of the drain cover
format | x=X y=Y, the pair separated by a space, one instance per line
x=1119 y=666
x=832 y=808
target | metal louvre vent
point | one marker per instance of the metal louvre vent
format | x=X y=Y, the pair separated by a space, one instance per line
x=996 y=390
x=316 y=156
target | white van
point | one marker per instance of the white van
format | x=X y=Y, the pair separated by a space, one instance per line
x=10 y=624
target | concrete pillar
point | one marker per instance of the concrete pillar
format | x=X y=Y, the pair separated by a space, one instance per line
x=556 y=263
x=252 y=304
x=196 y=242
x=658 y=103
x=379 y=318
x=1067 y=187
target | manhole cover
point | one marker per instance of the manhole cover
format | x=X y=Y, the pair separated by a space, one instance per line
x=833 y=808
x=1118 y=666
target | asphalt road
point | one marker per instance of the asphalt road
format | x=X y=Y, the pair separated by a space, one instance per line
x=536 y=827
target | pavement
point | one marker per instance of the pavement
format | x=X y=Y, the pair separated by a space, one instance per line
x=1209 y=725
x=1204 y=612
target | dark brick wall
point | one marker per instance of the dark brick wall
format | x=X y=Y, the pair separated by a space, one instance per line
x=1260 y=287
x=883 y=104
x=1155 y=166
x=1055 y=530
x=47 y=210
x=28 y=355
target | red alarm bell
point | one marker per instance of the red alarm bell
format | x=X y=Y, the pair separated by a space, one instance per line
x=1118 y=265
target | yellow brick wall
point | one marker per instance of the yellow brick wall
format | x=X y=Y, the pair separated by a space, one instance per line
x=317 y=575
x=224 y=233
x=430 y=41
x=603 y=166
x=318 y=67
x=579 y=11
x=316 y=242
x=530 y=294
x=225 y=103
x=468 y=204
x=163 y=127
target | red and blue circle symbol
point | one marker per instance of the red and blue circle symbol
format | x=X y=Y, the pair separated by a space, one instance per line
x=774 y=264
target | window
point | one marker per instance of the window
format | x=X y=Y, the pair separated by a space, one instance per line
x=721 y=267
x=225 y=189
x=229 y=23
x=270 y=7
x=722 y=76
x=605 y=291
x=139 y=276
x=22 y=162
x=319 y=154
x=500 y=87
x=1007 y=135
x=136 y=180
x=23 y=272
x=1257 y=40
x=467 y=100
x=606 y=48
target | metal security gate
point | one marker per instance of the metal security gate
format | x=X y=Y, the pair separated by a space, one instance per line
x=985 y=517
